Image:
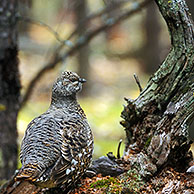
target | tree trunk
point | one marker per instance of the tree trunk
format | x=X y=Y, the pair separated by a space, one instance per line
x=9 y=88
x=24 y=8
x=150 y=52
x=80 y=8
x=156 y=123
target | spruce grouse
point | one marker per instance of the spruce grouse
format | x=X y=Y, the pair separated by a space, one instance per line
x=57 y=146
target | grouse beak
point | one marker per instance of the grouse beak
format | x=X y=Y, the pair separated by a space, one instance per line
x=82 y=80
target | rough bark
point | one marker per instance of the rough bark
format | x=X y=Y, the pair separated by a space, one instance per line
x=156 y=123
x=9 y=88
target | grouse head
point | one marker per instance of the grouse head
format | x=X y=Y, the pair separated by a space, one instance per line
x=67 y=85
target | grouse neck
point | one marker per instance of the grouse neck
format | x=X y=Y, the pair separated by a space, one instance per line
x=66 y=102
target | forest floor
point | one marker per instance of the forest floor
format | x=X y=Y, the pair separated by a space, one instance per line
x=167 y=181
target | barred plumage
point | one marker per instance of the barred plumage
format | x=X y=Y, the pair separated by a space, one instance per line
x=57 y=146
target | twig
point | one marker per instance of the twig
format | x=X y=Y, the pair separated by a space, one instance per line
x=98 y=13
x=81 y=41
x=138 y=82
x=118 y=149
x=36 y=22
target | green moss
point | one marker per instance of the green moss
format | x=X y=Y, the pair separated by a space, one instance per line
x=108 y=185
x=133 y=181
x=129 y=182
x=105 y=183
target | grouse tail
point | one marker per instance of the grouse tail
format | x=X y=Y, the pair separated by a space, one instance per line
x=28 y=172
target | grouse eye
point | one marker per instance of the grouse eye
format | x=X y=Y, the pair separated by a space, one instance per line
x=74 y=79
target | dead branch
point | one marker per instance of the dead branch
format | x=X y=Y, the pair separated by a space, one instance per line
x=42 y=24
x=137 y=82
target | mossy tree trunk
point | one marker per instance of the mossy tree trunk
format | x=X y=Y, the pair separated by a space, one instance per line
x=156 y=123
x=9 y=88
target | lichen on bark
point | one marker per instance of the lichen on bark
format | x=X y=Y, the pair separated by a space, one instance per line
x=156 y=123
